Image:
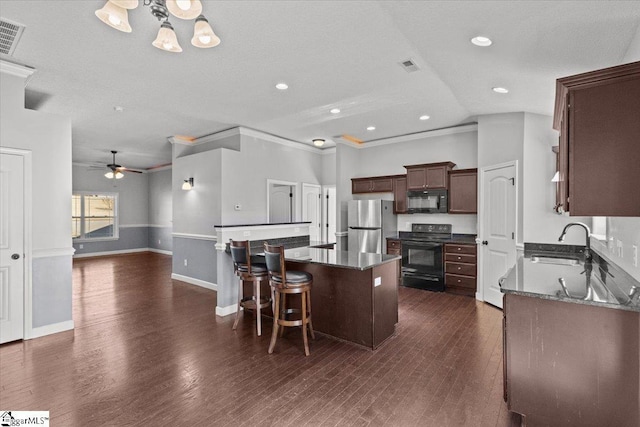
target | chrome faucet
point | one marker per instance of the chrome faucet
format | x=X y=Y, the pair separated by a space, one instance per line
x=587 y=251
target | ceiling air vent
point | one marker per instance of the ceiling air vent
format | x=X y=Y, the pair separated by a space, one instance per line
x=409 y=66
x=10 y=33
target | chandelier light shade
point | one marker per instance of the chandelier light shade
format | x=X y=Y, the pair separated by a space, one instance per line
x=114 y=16
x=203 y=35
x=167 y=39
x=114 y=13
x=185 y=9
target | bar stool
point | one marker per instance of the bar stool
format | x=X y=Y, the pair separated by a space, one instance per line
x=285 y=283
x=248 y=272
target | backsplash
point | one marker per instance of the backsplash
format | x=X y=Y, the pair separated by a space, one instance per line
x=461 y=224
x=623 y=232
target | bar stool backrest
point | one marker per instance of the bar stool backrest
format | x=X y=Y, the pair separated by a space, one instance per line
x=274 y=258
x=240 y=253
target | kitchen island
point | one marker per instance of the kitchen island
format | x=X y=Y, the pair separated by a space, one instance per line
x=571 y=339
x=354 y=295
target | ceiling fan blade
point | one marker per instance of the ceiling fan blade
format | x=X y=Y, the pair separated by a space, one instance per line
x=124 y=169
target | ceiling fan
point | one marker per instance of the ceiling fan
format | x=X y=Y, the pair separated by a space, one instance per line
x=116 y=169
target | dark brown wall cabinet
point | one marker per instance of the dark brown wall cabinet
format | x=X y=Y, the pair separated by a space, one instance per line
x=460 y=269
x=463 y=191
x=400 y=194
x=428 y=176
x=377 y=184
x=597 y=114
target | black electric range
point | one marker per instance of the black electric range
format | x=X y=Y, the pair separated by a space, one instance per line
x=422 y=255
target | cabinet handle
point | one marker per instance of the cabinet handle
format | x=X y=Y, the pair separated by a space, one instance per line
x=458 y=268
x=459 y=248
x=459 y=280
x=459 y=258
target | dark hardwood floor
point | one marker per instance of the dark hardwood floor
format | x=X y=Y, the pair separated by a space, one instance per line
x=148 y=350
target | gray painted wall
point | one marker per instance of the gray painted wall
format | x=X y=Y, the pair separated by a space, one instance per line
x=201 y=258
x=130 y=238
x=52 y=290
x=160 y=238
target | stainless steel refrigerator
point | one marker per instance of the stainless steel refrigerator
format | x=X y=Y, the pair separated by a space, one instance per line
x=370 y=222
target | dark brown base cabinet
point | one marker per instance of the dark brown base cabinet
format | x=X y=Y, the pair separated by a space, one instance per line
x=597 y=114
x=569 y=364
x=460 y=269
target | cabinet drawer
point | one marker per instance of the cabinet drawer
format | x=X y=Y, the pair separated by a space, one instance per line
x=467 y=259
x=395 y=244
x=452 y=248
x=460 y=281
x=391 y=251
x=460 y=268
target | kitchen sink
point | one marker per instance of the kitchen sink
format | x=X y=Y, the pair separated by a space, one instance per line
x=557 y=260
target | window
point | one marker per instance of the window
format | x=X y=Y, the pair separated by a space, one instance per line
x=94 y=216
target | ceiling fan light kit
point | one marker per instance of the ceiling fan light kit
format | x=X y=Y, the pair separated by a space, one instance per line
x=114 y=13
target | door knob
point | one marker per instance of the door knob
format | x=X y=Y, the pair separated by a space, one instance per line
x=15 y=256
x=484 y=242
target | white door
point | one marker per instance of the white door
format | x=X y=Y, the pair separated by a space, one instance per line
x=329 y=214
x=11 y=247
x=280 y=203
x=498 y=229
x=311 y=210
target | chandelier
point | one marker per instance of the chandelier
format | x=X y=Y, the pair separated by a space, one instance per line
x=114 y=14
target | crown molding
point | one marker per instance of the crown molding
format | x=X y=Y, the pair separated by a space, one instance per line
x=471 y=127
x=18 y=70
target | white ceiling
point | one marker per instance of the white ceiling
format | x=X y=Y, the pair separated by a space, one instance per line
x=341 y=54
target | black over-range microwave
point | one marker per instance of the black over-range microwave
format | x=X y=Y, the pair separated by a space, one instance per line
x=427 y=201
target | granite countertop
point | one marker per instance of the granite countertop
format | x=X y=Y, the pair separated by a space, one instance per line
x=341 y=259
x=599 y=283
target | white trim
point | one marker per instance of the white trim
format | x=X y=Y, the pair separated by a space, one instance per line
x=195 y=236
x=519 y=246
x=159 y=226
x=331 y=150
x=194 y=281
x=216 y=136
x=17 y=70
x=160 y=251
x=27 y=323
x=225 y=311
x=342 y=233
x=52 y=252
x=473 y=127
x=132 y=226
x=263 y=226
x=279 y=140
x=116 y=215
x=106 y=253
x=54 y=328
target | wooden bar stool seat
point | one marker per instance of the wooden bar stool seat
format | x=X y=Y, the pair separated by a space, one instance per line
x=247 y=271
x=284 y=283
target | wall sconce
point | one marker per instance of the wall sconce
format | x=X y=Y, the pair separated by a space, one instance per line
x=187 y=184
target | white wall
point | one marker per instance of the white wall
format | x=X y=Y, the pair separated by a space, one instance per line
x=160 y=198
x=132 y=189
x=329 y=169
x=541 y=223
x=245 y=174
x=627 y=231
x=347 y=162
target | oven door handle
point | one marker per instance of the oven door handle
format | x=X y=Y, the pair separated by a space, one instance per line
x=410 y=244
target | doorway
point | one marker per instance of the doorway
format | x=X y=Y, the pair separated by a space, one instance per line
x=329 y=214
x=281 y=201
x=498 y=201
x=312 y=210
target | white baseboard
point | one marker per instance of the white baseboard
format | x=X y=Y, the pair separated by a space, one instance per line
x=225 y=311
x=193 y=281
x=54 y=328
x=122 y=251
x=160 y=251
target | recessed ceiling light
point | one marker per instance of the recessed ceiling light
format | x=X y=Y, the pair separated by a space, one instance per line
x=118 y=109
x=318 y=142
x=500 y=90
x=335 y=110
x=371 y=128
x=425 y=117
x=481 y=41
x=282 y=86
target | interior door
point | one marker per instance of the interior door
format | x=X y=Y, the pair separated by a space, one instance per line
x=11 y=247
x=312 y=210
x=280 y=203
x=329 y=214
x=499 y=226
